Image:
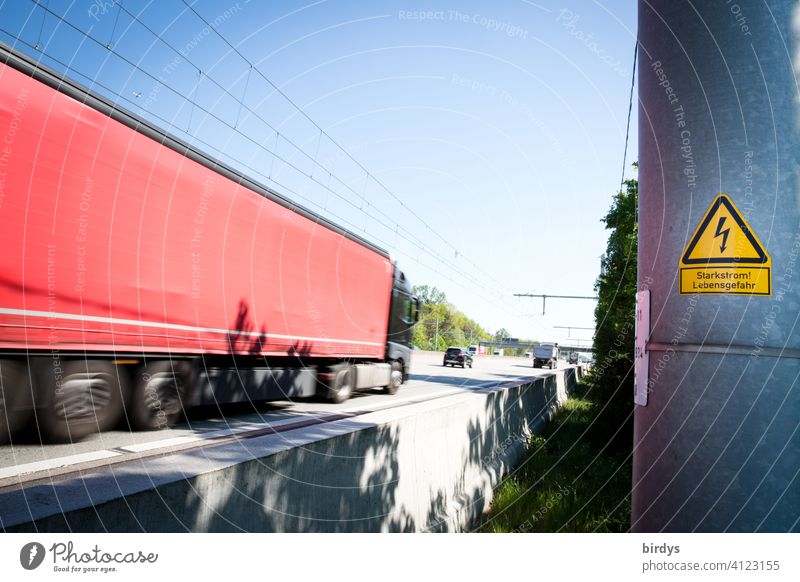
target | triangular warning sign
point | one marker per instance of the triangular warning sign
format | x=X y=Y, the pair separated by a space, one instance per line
x=724 y=238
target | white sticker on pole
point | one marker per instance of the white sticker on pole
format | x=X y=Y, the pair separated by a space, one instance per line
x=641 y=357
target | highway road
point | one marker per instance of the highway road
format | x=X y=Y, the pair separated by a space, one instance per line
x=30 y=462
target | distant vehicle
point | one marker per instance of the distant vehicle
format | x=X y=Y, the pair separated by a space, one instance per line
x=545 y=355
x=528 y=354
x=457 y=357
x=473 y=350
x=574 y=358
x=498 y=352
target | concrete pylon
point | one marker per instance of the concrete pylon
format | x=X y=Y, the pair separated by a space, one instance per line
x=717 y=445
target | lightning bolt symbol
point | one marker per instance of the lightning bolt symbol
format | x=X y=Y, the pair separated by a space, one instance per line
x=722 y=233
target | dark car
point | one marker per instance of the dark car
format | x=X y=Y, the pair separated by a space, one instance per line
x=574 y=358
x=457 y=357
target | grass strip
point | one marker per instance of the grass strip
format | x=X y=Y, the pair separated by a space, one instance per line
x=568 y=480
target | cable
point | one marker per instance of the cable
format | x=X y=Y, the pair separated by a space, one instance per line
x=630 y=108
x=399 y=230
x=334 y=142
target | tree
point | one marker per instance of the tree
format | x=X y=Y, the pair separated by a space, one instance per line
x=612 y=377
x=429 y=295
x=440 y=324
x=501 y=333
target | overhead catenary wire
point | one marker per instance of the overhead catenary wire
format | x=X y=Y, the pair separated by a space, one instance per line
x=285 y=188
x=630 y=109
x=488 y=291
x=364 y=206
x=323 y=132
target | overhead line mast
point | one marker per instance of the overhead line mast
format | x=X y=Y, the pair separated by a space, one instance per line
x=544 y=298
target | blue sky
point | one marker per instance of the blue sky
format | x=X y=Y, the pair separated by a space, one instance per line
x=497 y=128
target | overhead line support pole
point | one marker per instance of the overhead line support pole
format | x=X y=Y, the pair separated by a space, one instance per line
x=716 y=445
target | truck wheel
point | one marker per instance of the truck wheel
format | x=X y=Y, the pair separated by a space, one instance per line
x=341 y=385
x=15 y=398
x=396 y=379
x=158 y=394
x=86 y=398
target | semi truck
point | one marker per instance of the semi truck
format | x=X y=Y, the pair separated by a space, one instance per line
x=140 y=276
x=545 y=355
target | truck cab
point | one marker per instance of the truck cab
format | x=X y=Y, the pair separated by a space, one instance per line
x=403 y=315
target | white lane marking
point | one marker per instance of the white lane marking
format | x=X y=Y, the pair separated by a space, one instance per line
x=56 y=463
x=98 y=319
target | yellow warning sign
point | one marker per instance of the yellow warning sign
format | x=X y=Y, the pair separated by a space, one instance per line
x=724 y=255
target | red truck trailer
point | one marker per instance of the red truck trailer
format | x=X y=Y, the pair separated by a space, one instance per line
x=139 y=276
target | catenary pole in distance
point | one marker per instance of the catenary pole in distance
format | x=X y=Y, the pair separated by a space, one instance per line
x=545 y=297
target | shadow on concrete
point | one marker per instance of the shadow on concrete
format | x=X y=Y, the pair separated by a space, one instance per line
x=356 y=478
x=345 y=483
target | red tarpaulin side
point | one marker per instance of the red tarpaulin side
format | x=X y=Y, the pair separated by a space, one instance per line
x=111 y=241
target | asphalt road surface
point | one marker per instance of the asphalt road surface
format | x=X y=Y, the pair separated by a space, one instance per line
x=29 y=462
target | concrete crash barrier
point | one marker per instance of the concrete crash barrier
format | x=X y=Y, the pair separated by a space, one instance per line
x=424 y=466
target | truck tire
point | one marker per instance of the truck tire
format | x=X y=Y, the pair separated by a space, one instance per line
x=87 y=398
x=158 y=394
x=396 y=379
x=340 y=386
